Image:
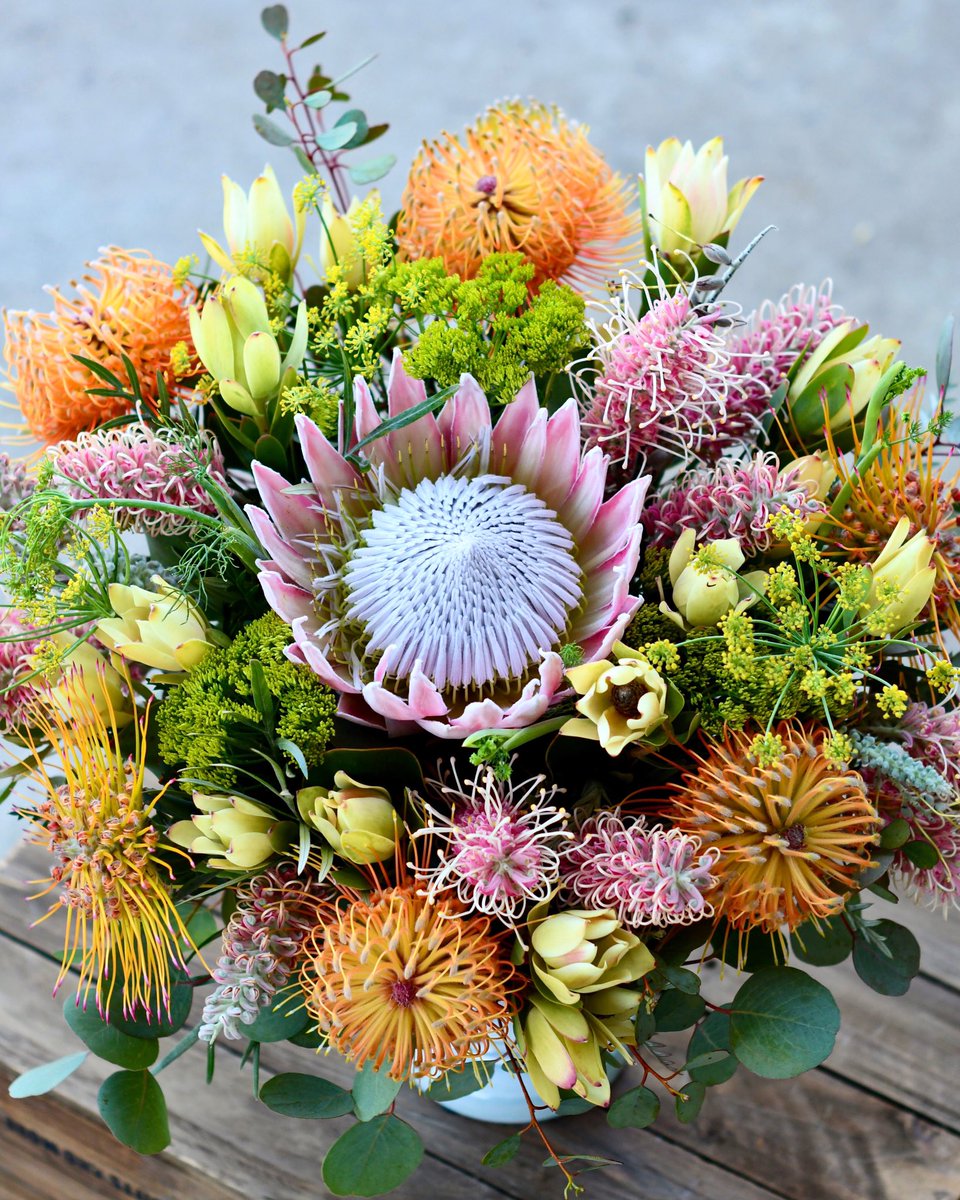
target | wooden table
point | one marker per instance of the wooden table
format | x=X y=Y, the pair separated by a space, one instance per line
x=880 y=1121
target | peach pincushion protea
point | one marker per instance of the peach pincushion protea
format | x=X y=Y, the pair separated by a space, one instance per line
x=129 y=304
x=439 y=585
x=522 y=178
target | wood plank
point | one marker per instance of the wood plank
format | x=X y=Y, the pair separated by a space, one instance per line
x=821 y=1138
x=886 y=1148
x=51 y=1149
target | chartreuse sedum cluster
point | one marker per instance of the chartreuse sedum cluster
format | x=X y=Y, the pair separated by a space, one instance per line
x=443 y=632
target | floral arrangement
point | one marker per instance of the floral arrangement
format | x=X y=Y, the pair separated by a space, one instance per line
x=434 y=640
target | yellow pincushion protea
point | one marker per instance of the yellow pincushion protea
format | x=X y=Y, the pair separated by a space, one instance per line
x=129 y=304
x=793 y=834
x=521 y=178
x=123 y=930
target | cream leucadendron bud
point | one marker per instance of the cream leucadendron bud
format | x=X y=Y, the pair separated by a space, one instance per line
x=357 y=820
x=902 y=579
x=240 y=834
x=621 y=702
x=82 y=670
x=687 y=200
x=162 y=628
x=705 y=582
x=258 y=226
x=234 y=339
x=338 y=242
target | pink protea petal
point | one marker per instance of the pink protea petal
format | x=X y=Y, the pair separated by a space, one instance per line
x=600 y=644
x=294 y=515
x=308 y=651
x=579 y=511
x=464 y=420
x=286 y=558
x=329 y=470
x=530 y=461
x=419 y=445
x=286 y=599
x=511 y=429
x=561 y=462
x=618 y=515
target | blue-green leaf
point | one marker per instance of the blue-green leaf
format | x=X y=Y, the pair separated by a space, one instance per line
x=45 y=1078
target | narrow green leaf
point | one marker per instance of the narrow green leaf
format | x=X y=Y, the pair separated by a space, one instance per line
x=108 y=1042
x=262 y=699
x=373 y=1092
x=132 y=1104
x=372 y=1157
x=500 y=1154
x=305 y=1096
x=431 y=404
x=270 y=131
x=180 y=1048
x=45 y=1078
x=312 y=39
x=295 y=753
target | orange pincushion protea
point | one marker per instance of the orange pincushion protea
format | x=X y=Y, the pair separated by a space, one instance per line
x=397 y=978
x=521 y=179
x=910 y=478
x=792 y=835
x=129 y=304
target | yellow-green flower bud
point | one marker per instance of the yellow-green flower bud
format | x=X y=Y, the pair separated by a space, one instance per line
x=686 y=196
x=240 y=833
x=357 y=820
x=622 y=702
x=162 y=628
x=258 y=226
x=235 y=342
x=902 y=579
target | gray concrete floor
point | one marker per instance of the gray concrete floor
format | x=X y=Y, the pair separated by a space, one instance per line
x=119 y=118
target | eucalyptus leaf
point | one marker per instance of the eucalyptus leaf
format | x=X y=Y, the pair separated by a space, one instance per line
x=276 y=21
x=270 y=87
x=307 y=1097
x=43 y=1079
x=888 y=973
x=677 y=1010
x=337 y=137
x=270 y=131
x=503 y=1152
x=106 y=1041
x=373 y=1092
x=690 y=1101
x=712 y=1036
x=372 y=170
x=372 y=1157
x=318 y=99
x=635 y=1109
x=132 y=1105
x=823 y=946
x=283 y=1018
x=782 y=1023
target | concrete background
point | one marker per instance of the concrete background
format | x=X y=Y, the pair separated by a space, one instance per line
x=119 y=117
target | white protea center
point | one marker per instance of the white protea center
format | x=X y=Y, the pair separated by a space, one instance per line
x=434 y=581
x=473 y=578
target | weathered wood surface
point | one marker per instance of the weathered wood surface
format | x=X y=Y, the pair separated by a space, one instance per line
x=881 y=1121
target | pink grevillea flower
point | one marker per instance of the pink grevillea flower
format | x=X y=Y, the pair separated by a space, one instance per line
x=261 y=948
x=438 y=586
x=939 y=884
x=931 y=733
x=647 y=876
x=17 y=691
x=135 y=462
x=664 y=379
x=774 y=338
x=498 y=843
x=732 y=499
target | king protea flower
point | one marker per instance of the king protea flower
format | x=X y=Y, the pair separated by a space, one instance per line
x=439 y=586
